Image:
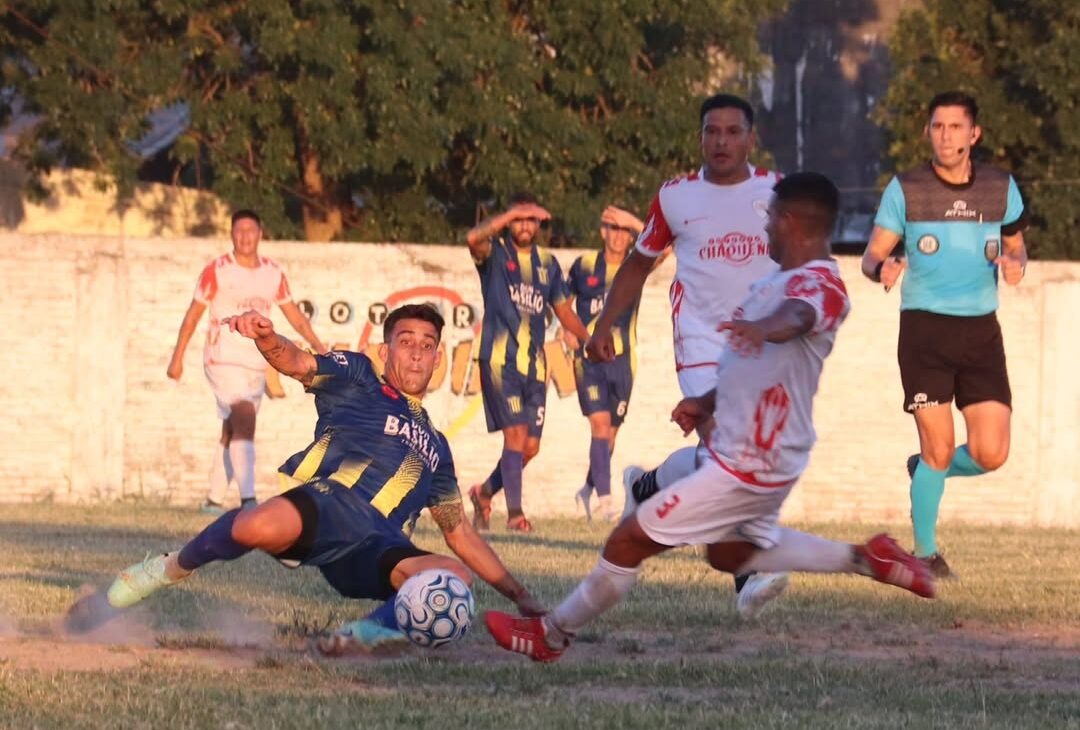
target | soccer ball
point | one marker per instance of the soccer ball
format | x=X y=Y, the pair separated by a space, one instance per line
x=434 y=608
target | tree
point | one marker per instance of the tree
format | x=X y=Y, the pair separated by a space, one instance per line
x=381 y=120
x=1019 y=61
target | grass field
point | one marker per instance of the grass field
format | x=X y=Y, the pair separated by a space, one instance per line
x=1000 y=648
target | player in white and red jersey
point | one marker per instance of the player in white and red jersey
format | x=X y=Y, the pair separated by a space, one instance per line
x=231 y=285
x=762 y=400
x=714 y=221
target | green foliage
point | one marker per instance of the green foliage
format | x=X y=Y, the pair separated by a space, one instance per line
x=1019 y=60
x=383 y=120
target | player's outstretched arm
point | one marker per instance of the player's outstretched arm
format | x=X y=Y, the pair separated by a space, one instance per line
x=283 y=355
x=183 y=337
x=625 y=289
x=794 y=318
x=480 y=558
x=302 y=325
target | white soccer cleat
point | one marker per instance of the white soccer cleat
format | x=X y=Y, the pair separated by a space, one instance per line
x=630 y=475
x=138 y=581
x=758 y=592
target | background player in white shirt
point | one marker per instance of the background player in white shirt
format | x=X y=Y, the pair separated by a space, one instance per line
x=231 y=285
x=767 y=376
x=714 y=221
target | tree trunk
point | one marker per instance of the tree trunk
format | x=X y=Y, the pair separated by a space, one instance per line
x=322 y=216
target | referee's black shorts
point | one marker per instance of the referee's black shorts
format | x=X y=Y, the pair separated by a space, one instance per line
x=943 y=358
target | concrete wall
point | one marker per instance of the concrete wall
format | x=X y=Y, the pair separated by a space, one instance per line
x=89 y=323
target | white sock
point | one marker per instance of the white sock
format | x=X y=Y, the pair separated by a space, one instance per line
x=679 y=464
x=602 y=588
x=221 y=473
x=242 y=454
x=800 y=551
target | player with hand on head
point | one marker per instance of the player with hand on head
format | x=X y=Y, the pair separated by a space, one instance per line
x=230 y=285
x=519 y=281
x=376 y=461
x=766 y=378
x=961 y=223
x=714 y=221
x=604 y=387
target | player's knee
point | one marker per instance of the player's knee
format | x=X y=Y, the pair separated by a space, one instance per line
x=938 y=456
x=991 y=459
x=532 y=448
x=254 y=528
x=443 y=562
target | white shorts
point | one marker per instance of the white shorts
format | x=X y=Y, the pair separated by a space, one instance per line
x=697 y=381
x=232 y=384
x=712 y=505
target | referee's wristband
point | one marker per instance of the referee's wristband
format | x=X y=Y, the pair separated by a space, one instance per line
x=876 y=276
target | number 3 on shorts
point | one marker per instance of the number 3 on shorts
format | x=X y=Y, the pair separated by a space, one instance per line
x=540 y=416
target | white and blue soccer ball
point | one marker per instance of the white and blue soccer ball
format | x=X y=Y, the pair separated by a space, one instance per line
x=434 y=608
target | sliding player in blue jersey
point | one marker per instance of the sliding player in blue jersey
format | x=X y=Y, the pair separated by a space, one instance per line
x=604 y=387
x=520 y=281
x=376 y=461
x=961 y=223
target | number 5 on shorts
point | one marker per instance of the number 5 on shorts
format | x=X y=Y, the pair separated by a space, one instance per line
x=540 y=416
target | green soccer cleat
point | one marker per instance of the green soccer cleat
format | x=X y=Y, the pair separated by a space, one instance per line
x=138 y=581
x=362 y=636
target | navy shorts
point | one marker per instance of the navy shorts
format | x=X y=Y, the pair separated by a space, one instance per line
x=604 y=386
x=349 y=541
x=512 y=399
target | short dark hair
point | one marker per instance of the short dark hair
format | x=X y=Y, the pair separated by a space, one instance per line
x=728 y=101
x=813 y=189
x=425 y=312
x=955 y=98
x=245 y=213
x=523 y=197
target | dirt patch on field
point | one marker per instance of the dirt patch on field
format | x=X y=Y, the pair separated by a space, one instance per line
x=235 y=643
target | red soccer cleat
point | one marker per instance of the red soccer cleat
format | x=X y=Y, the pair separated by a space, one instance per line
x=519 y=524
x=521 y=635
x=889 y=563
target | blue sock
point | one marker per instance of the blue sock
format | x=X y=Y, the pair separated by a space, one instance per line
x=494 y=483
x=213 y=543
x=511 y=465
x=600 y=466
x=927 y=486
x=963 y=465
x=384 y=614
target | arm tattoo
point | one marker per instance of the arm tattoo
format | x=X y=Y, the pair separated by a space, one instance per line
x=448 y=515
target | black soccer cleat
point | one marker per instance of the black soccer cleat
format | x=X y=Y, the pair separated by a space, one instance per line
x=938 y=567
x=912 y=465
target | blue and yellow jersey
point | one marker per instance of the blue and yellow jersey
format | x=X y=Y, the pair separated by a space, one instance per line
x=375 y=440
x=589 y=283
x=518 y=288
x=952 y=235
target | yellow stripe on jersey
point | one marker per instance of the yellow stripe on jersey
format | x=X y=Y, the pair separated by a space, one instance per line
x=312 y=459
x=498 y=351
x=398 y=486
x=633 y=342
x=524 y=332
x=349 y=473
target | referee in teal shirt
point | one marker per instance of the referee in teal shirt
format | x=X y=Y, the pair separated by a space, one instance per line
x=962 y=226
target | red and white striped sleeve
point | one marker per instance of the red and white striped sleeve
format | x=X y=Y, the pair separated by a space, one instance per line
x=207 y=285
x=657 y=234
x=825 y=292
